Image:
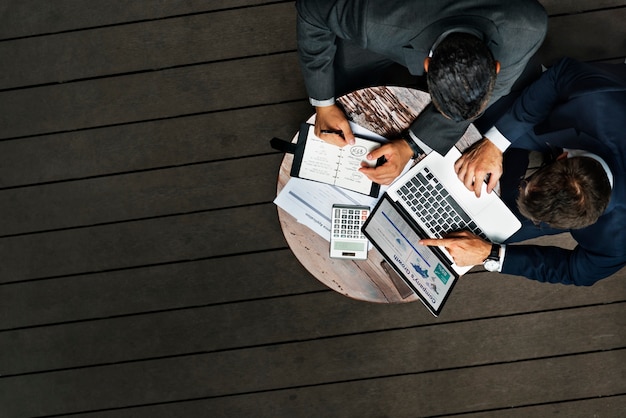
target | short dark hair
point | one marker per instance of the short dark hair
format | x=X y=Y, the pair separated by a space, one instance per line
x=570 y=193
x=461 y=76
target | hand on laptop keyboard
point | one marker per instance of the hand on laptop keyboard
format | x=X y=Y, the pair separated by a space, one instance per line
x=480 y=161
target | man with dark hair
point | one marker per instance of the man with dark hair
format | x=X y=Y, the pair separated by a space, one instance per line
x=461 y=77
x=344 y=45
x=570 y=193
x=576 y=113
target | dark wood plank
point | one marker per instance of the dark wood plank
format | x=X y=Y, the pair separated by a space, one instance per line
x=606 y=406
x=558 y=7
x=440 y=392
x=141 y=97
x=18 y=19
x=148 y=289
x=592 y=36
x=149 y=145
x=422 y=350
x=611 y=406
x=141 y=243
x=270 y=274
x=319 y=361
x=139 y=195
x=148 y=46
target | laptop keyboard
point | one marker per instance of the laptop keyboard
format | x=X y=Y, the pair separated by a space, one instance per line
x=428 y=198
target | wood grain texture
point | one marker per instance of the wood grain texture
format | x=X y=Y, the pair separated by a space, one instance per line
x=492 y=386
x=142 y=290
x=610 y=406
x=557 y=7
x=410 y=395
x=140 y=243
x=147 y=46
x=266 y=275
x=148 y=145
x=71 y=15
x=138 y=195
x=159 y=290
x=140 y=97
x=337 y=357
x=577 y=36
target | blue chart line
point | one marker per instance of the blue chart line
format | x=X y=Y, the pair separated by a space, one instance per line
x=405 y=238
x=338 y=189
x=304 y=202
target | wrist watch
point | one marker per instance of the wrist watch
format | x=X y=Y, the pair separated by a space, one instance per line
x=492 y=262
x=417 y=151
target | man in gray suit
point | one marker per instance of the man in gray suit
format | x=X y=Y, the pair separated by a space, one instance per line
x=472 y=51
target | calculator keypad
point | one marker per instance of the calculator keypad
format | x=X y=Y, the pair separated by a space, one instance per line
x=348 y=222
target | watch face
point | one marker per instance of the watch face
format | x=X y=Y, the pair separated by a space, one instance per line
x=492 y=265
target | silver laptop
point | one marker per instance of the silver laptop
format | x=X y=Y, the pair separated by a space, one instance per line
x=430 y=201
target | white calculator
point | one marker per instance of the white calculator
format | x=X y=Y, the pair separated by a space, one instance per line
x=346 y=238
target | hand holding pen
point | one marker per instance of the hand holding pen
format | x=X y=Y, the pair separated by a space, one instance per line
x=332 y=126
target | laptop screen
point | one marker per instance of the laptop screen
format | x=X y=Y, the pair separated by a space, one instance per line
x=419 y=265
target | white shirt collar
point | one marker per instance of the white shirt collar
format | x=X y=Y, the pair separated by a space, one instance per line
x=455 y=30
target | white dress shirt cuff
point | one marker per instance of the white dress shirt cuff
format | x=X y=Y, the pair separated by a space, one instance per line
x=498 y=139
x=502 y=254
x=424 y=147
x=322 y=103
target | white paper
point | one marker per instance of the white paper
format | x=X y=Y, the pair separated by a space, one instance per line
x=311 y=202
x=331 y=164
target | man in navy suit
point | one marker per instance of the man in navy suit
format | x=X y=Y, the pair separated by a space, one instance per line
x=462 y=44
x=579 y=109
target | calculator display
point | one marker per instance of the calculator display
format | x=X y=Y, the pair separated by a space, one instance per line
x=349 y=246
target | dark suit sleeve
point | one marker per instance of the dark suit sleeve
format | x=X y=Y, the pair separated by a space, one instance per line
x=535 y=103
x=554 y=87
x=316 y=50
x=521 y=39
x=437 y=131
x=559 y=265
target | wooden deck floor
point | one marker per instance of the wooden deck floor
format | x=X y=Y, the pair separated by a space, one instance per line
x=143 y=272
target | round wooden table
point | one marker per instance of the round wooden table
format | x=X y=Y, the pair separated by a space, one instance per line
x=386 y=111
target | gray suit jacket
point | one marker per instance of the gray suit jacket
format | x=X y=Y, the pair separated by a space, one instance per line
x=405 y=30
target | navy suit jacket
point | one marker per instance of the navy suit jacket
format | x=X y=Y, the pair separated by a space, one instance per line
x=578 y=106
x=404 y=31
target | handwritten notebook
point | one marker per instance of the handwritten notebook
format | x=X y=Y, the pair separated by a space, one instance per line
x=320 y=161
